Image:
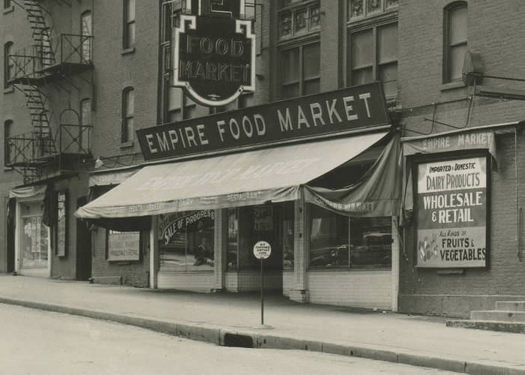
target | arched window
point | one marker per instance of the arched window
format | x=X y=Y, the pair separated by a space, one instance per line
x=455 y=40
x=9 y=65
x=128 y=113
x=86 y=31
x=8 y=154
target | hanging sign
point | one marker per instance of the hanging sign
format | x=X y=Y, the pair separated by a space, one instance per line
x=452 y=213
x=214 y=53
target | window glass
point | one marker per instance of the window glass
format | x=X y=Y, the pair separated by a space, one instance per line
x=128 y=110
x=456 y=58
x=186 y=241
x=290 y=64
x=371 y=242
x=458 y=25
x=86 y=31
x=339 y=241
x=362 y=49
x=387 y=43
x=129 y=23
x=9 y=65
x=312 y=61
x=233 y=238
x=7 y=145
x=85 y=120
x=455 y=41
x=7 y=4
x=328 y=238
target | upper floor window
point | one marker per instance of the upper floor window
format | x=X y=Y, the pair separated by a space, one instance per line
x=86 y=31
x=128 y=114
x=9 y=65
x=298 y=17
x=7 y=4
x=7 y=145
x=128 y=39
x=85 y=123
x=358 y=9
x=372 y=56
x=455 y=41
x=300 y=70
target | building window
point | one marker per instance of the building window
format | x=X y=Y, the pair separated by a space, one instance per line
x=358 y=9
x=298 y=17
x=86 y=31
x=9 y=66
x=7 y=4
x=85 y=125
x=337 y=241
x=455 y=41
x=300 y=70
x=372 y=56
x=8 y=153
x=128 y=112
x=232 y=259
x=129 y=24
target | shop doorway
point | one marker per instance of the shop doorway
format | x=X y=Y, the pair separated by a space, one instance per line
x=83 y=246
x=34 y=247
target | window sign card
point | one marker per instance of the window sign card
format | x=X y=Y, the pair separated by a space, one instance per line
x=452 y=213
x=123 y=246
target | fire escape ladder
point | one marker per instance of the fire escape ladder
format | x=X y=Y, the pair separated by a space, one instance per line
x=41 y=32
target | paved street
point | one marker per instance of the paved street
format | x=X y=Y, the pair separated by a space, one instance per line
x=35 y=342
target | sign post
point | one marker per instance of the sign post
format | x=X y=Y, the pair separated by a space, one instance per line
x=262 y=250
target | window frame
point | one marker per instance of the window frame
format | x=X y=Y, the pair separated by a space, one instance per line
x=8 y=67
x=8 y=125
x=84 y=132
x=86 y=44
x=447 y=45
x=127 y=42
x=353 y=27
x=299 y=45
x=126 y=134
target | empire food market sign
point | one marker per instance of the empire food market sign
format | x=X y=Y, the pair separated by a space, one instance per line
x=452 y=213
x=214 y=54
x=354 y=109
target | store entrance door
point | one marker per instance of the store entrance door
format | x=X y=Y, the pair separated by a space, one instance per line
x=83 y=246
x=34 y=242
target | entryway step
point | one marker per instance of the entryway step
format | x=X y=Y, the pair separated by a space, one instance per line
x=513 y=327
x=510 y=305
x=499 y=316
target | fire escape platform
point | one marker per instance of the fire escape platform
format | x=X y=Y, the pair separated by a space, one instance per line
x=56 y=71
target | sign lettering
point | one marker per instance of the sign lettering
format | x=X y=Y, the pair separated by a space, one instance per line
x=348 y=110
x=452 y=213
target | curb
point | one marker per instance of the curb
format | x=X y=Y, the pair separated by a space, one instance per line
x=232 y=337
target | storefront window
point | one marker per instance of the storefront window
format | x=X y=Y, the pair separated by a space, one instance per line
x=337 y=241
x=187 y=241
x=233 y=238
x=34 y=243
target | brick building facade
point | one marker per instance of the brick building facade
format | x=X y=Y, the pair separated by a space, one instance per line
x=120 y=82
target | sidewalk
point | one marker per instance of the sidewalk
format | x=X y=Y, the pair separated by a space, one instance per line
x=393 y=337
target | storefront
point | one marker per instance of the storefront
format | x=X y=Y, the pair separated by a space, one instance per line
x=463 y=221
x=317 y=177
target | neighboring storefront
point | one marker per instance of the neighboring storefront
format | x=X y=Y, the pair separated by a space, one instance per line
x=317 y=177
x=49 y=241
x=463 y=221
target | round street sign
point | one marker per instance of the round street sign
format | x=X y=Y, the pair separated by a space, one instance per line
x=262 y=250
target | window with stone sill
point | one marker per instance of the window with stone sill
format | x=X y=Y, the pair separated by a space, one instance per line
x=298 y=17
x=359 y=9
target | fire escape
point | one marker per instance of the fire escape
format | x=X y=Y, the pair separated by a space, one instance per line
x=51 y=60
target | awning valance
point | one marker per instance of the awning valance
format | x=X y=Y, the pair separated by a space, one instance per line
x=234 y=180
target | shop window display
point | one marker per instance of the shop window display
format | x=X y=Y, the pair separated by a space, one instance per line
x=187 y=241
x=337 y=241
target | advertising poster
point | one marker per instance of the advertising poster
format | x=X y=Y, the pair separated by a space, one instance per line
x=452 y=213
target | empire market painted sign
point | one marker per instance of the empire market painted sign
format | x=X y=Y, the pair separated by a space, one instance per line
x=214 y=54
x=452 y=213
x=353 y=109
